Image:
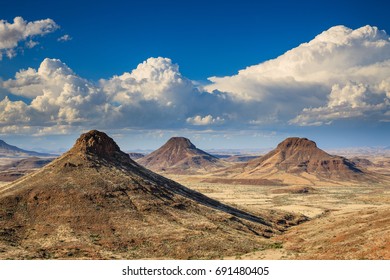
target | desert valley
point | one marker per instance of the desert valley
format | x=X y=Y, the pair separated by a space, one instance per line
x=179 y=202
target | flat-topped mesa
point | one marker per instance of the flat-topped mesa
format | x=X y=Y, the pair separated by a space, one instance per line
x=297 y=157
x=296 y=143
x=180 y=142
x=297 y=150
x=301 y=154
x=98 y=144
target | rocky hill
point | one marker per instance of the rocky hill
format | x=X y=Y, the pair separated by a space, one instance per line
x=298 y=160
x=180 y=156
x=94 y=202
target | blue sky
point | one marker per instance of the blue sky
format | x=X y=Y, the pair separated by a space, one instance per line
x=206 y=38
x=202 y=39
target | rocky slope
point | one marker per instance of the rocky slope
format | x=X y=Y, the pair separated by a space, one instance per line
x=94 y=202
x=180 y=156
x=298 y=160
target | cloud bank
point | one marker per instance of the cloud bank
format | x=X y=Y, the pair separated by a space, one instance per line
x=342 y=74
x=154 y=95
x=11 y=34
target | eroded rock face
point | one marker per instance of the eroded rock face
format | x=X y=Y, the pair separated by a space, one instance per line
x=98 y=144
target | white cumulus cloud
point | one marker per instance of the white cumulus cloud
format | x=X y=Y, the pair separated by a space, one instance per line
x=333 y=75
x=156 y=79
x=58 y=97
x=11 y=34
x=64 y=38
x=154 y=95
x=342 y=74
x=349 y=101
x=206 y=120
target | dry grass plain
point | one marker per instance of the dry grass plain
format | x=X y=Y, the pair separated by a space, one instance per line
x=349 y=221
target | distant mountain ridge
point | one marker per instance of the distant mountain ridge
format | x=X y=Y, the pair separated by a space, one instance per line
x=135 y=156
x=9 y=150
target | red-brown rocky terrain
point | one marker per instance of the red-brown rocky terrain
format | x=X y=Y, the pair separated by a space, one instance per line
x=298 y=161
x=94 y=202
x=180 y=156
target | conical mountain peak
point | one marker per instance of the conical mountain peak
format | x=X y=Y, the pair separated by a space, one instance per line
x=179 y=155
x=97 y=143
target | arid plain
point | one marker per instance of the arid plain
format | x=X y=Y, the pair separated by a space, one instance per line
x=346 y=221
